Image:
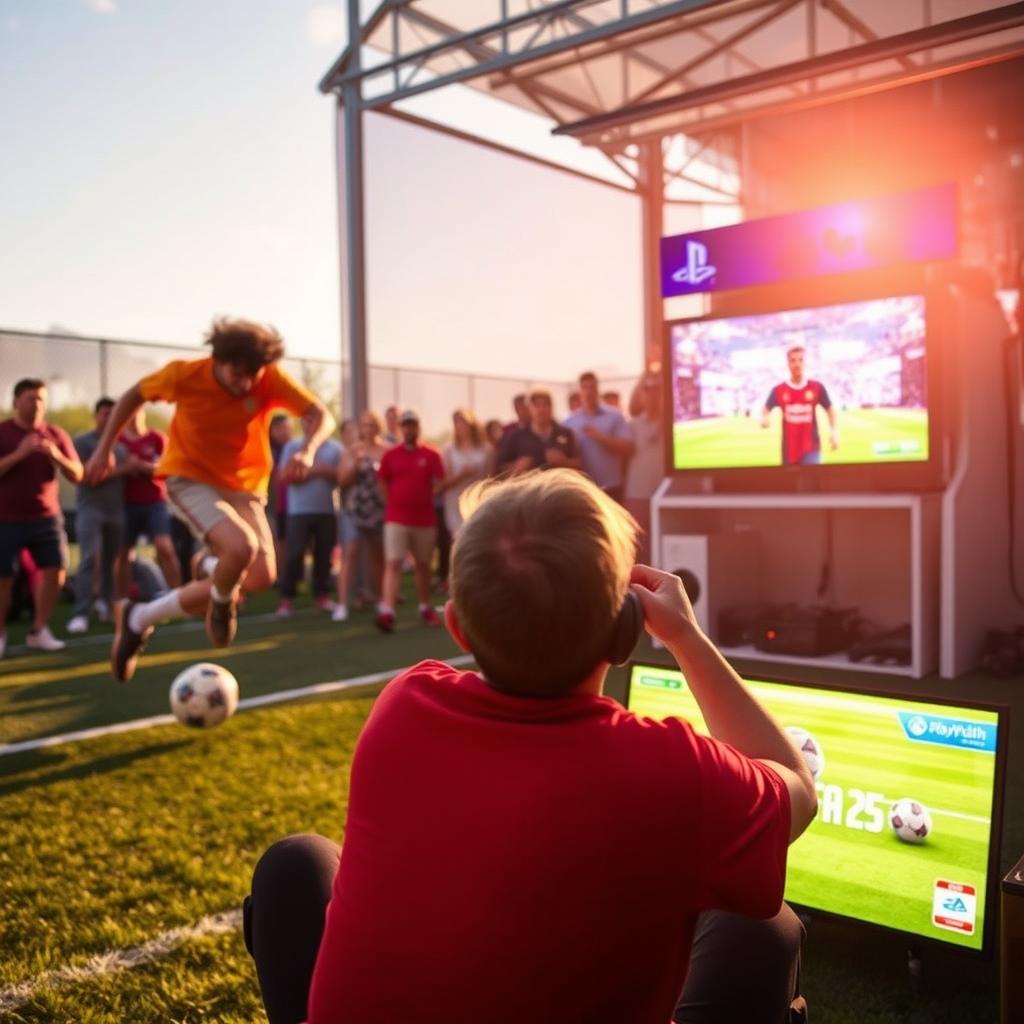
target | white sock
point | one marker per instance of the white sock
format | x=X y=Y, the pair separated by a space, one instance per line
x=167 y=606
x=219 y=597
x=208 y=564
x=423 y=607
x=385 y=609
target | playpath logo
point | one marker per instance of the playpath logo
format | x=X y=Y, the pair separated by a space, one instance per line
x=948 y=732
x=697 y=269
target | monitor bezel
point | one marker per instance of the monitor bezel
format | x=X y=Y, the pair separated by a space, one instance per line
x=915 y=475
x=992 y=883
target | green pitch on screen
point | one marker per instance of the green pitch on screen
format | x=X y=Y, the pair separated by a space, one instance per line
x=865 y=436
x=849 y=861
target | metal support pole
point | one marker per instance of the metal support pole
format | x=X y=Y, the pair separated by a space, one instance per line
x=812 y=39
x=104 y=368
x=652 y=198
x=353 y=270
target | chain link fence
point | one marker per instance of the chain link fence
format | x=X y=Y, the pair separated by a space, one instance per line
x=79 y=369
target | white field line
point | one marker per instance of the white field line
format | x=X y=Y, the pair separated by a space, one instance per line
x=119 y=959
x=249 y=702
x=964 y=817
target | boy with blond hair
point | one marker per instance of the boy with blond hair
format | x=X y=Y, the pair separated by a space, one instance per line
x=217 y=464
x=521 y=848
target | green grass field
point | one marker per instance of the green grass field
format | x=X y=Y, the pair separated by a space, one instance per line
x=849 y=861
x=113 y=849
x=741 y=442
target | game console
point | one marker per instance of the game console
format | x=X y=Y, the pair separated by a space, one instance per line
x=806 y=631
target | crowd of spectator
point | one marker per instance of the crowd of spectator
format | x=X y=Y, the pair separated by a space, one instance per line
x=378 y=499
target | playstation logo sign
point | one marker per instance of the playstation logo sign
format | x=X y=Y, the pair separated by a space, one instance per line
x=697 y=269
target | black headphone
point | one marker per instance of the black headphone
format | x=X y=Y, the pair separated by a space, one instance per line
x=629 y=624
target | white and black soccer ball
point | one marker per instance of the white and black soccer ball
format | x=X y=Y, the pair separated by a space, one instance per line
x=204 y=695
x=910 y=820
x=814 y=756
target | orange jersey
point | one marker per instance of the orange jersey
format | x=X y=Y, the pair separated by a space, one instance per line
x=217 y=438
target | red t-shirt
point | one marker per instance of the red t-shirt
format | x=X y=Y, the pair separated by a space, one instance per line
x=141 y=488
x=28 y=490
x=511 y=859
x=410 y=474
x=799 y=424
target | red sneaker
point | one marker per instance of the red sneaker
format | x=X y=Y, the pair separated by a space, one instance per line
x=429 y=617
x=385 y=622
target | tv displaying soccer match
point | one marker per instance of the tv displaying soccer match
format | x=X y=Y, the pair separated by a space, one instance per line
x=907 y=830
x=830 y=385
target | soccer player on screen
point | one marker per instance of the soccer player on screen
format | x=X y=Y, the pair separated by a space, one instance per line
x=798 y=399
x=217 y=465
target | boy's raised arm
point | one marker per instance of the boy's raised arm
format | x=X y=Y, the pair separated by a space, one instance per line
x=732 y=713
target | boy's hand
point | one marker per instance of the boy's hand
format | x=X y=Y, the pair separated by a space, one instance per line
x=668 y=614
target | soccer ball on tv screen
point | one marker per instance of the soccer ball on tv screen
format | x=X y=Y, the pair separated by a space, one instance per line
x=814 y=756
x=204 y=695
x=910 y=820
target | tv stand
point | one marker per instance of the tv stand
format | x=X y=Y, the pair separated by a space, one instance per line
x=889 y=545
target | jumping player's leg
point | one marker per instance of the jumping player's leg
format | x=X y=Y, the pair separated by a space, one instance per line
x=743 y=969
x=234 y=527
x=244 y=557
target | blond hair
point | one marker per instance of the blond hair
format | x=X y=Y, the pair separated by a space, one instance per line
x=476 y=432
x=539 y=573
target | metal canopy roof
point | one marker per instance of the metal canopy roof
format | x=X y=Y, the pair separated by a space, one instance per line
x=612 y=72
x=675 y=94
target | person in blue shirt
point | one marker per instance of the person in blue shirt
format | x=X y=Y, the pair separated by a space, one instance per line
x=605 y=440
x=312 y=518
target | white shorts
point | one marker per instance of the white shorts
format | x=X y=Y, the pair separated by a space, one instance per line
x=201 y=507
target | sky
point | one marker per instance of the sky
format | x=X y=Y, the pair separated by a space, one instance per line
x=165 y=161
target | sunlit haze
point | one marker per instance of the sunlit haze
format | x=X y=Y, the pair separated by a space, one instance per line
x=166 y=162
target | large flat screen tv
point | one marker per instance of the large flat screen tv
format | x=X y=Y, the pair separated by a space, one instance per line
x=833 y=391
x=909 y=802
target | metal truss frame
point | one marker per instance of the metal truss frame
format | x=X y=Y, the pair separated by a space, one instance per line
x=518 y=53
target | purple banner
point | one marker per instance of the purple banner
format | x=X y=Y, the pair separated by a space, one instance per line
x=865 y=234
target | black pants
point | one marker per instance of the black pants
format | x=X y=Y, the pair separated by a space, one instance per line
x=741 y=969
x=299 y=531
x=184 y=547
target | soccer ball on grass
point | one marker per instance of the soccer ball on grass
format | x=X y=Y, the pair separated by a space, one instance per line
x=814 y=756
x=204 y=695
x=910 y=820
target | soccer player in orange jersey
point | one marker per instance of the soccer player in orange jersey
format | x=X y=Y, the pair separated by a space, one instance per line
x=217 y=464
